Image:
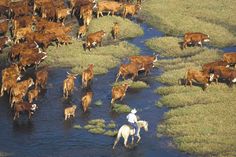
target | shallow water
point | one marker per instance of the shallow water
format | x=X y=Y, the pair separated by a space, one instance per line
x=48 y=135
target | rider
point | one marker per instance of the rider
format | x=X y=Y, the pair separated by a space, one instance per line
x=132 y=119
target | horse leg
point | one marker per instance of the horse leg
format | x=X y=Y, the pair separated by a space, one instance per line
x=125 y=142
x=139 y=138
x=117 y=140
x=132 y=140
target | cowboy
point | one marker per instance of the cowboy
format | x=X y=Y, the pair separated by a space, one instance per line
x=132 y=119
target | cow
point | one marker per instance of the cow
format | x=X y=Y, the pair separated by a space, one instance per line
x=4 y=10
x=209 y=67
x=31 y=60
x=21 y=88
x=33 y=94
x=77 y=4
x=86 y=100
x=21 y=33
x=87 y=75
x=131 y=9
x=119 y=91
x=222 y=72
x=62 y=13
x=200 y=77
x=85 y=8
x=115 y=30
x=93 y=39
x=108 y=6
x=230 y=57
x=68 y=85
x=3 y=42
x=87 y=16
x=192 y=38
x=24 y=106
x=4 y=27
x=69 y=111
x=10 y=76
x=82 y=31
x=143 y=59
x=128 y=69
x=41 y=78
x=16 y=99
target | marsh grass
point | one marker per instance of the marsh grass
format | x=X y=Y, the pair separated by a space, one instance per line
x=201 y=122
x=103 y=58
x=111 y=133
x=98 y=103
x=128 y=29
x=175 y=17
x=133 y=84
x=121 y=108
x=77 y=126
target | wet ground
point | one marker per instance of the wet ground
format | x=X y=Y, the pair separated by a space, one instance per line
x=48 y=135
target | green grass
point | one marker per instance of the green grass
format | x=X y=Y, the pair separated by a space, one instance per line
x=97 y=130
x=128 y=29
x=111 y=133
x=121 y=108
x=103 y=58
x=175 y=17
x=77 y=126
x=98 y=103
x=200 y=122
x=111 y=125
x=133 y=84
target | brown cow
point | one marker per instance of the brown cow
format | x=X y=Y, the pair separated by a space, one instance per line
x=87 y=75
x=119 y=91
x=9 y=77
x=94 y=38
x=69 y=111
x=87 y=16
x=82 y=31
x=230 y=57
x=24 y=106
x=195 y=38
x=198 y=76
x=16 y=99
x=209 y=67
x=115 y=30
x=4 y=27
x=68 y=85
x=108 y=6
x=3 y=42
x=86 y=100
x=33 y=94
x=21 y=88
x=41 y=78
x=221 y=72
x=131 y=9
x=62 y=13
x=128 y=69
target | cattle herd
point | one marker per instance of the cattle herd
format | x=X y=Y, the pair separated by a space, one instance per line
x=30 y=26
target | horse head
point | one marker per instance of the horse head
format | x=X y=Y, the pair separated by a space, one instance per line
x=143 y=124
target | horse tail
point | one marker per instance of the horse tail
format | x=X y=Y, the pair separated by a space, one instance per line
x=117 y=138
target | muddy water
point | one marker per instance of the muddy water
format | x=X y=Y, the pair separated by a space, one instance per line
x=48 y=135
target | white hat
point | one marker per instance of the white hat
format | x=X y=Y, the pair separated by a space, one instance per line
x=134 y=111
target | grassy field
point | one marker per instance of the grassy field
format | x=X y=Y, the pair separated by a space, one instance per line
x=103 y=58
x=175 y=17
x=73 y=55
x=200 y=122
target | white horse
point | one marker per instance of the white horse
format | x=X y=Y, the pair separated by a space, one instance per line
x=125 y=131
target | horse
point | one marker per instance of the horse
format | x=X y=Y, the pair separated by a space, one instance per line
x=125 y=131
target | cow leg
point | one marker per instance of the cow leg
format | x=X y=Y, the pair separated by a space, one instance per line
x=190 y=82
x=186 y=82
x=29 y=114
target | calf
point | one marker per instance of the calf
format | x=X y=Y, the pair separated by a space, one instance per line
x=118 y=92
x=82 y=31
x=94 y=38
x=24 y=106
x=86 y=100
x=62 y=13
x=69 y=111
x=68 y=85
x=87 y=75
x=195 y=38
x=33 y=94
x=41 y=78
x=230 y=57
x=131 y=9
x=128 y=69
x=115 y=30
x=198 y=76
